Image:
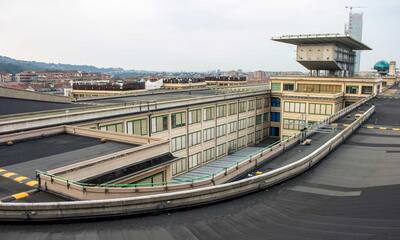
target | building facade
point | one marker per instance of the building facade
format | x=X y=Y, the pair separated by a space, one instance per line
x=198 y=133
x=297 y=102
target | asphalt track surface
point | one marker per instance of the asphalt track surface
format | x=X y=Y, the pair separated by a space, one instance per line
x=352 y=194
x=16 y=106
x=47 y=153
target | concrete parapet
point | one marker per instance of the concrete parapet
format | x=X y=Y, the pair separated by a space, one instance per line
x=22 y=94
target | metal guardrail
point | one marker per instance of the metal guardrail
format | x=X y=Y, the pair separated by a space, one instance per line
x=169 y=201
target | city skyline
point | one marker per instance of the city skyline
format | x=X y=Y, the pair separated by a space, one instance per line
x=183 y=36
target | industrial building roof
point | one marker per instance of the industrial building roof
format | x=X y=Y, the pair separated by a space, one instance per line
x=322 y=39
x=51 y=152
x=163 y=95
x=16 y=106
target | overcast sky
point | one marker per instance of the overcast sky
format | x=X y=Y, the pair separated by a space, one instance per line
x=185 y=35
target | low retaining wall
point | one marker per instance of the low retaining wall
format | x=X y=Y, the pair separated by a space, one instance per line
x=168 y=201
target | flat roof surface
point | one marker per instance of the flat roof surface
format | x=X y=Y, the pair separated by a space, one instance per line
x=157 y=96
x=322 y=39
x=15 y=106
x=53 y=152
x=352 y=194
x=161 y=96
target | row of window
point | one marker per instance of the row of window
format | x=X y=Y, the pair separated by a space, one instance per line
x=321 y=88
x=294 y=107
x=160 y=123
x=355 y=89
x=179 y=142
x=293 y=124
x=320 y=109
x=313 y=108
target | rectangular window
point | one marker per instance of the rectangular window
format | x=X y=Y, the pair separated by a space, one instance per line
x=194 y=160
x=294 y=107
x=137 y=127
x=221 y=111
x=250 y=138
x=155 y=179
x=241 y=142
x=265 y=117
x=194 y=138
x=117 y=127
x=251 y=105
x=259 y=135
x=259 y=119
x=366 y=89
x=242 y=124
x=208 y=113
x=319 y=88
x=251 y=122
x=242 y=107
x=221 y=130
x=275 y=116
x=178 y=166
x=232 y=109
x=259 y=103
x=276 y=87
x=320 y=109
x=178 y=143
x=178 y=119
x=194 y=116
x=159 y=123
x=232 y=127
x=288 y=87
x=275 y=102
x=221 y=150
x=266 y=102
x=208 y=134
x=265 y=132
x=209 y=154
x=293 y=124
x=352 y=89
x=231 y=146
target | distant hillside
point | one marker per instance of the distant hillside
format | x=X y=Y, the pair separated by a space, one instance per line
x=13 y=66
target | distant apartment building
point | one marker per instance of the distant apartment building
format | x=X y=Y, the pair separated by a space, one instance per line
x=226 y=81
x=5 y=77
x=26 y=76
x=258 y=77
x=31 y=76
x=183 y=83
x=103 y=88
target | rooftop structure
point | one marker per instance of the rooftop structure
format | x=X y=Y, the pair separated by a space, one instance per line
x=333 y=53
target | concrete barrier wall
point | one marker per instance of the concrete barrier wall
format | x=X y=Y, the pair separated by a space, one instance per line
x=174 y=200
x=113 y=136
x=93 y=167
x=22 y=94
